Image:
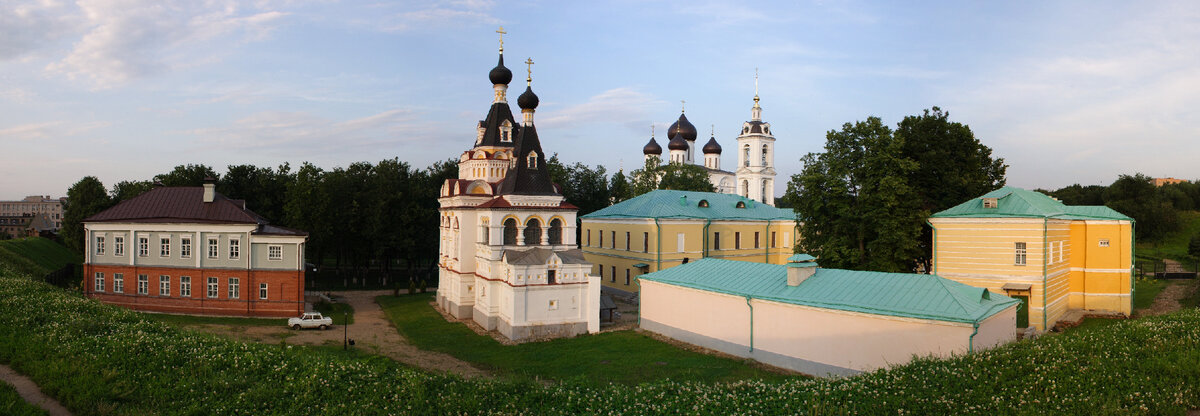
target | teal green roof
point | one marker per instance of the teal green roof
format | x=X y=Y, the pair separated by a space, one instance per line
x=797 y=258
x=686 y=204
x=922 y=296
x=1017 y=202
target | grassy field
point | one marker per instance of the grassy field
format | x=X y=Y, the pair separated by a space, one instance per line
x=36 y=256
x=1174 y=245
x=12 y=404
x=98 y=359
x=625 y=357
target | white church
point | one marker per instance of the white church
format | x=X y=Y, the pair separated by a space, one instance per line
x=754 y=177
x=508 y=257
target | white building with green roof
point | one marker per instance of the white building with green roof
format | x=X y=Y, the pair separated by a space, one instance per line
x=824 y=322
x=666 y=228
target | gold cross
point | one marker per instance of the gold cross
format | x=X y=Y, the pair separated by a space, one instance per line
x=502 y=33
x=529 y=69
x=651 y=131
x=682 y=106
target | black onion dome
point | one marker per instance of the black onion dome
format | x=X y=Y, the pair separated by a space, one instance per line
x=652 y=148
x=528 y=100
x=677 y=143
x=712 y=146
x=684 y=128
x=500 y=74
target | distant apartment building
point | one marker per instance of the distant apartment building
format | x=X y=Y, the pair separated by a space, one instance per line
x=1165 y=181
x=35 y=205
x=192 y=250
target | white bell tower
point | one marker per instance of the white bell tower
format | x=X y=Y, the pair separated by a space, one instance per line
x=756 y=156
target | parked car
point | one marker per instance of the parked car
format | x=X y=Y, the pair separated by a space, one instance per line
x=310 y=320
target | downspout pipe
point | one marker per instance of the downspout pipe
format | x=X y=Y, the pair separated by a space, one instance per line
x=704 y=251
x=767 y=245
x=970 y=341
x=1132 y=261
x=638 y=282
x=751 y=322
x=933 y=255
x=1045 y=307
x=658 y=241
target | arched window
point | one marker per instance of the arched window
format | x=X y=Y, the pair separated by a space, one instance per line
x=746 y=156
x=533 y=160
x=485 y=232
x=740 y=204
x=555 y=231
x=764 y=191
x=746 y=187
x=533 y=232
x=764 y=155
x=703 y=203
x=510 y=232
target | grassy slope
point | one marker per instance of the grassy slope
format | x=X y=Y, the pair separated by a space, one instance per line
x=1173 y=245
x=185 y=320
x=36 y=256
x=100 y=359
x=621 y=357
x=11 y=404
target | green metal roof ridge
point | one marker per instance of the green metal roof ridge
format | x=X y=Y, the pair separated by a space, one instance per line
x=666 y=204
x=1033 y=204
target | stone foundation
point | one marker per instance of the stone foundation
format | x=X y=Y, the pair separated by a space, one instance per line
x=537 y=332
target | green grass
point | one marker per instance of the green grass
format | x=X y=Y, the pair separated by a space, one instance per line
x=1174 y=244
x=1145 y=290
x=186 y=320
x=36 y=255
x=335 y=311
x=11 y=404
x=626 y=357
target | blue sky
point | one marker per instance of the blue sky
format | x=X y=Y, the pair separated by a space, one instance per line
x=1066 y=92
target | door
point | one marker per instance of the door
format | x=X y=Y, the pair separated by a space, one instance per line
x=1022 y=310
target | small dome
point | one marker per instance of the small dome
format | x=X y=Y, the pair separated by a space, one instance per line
x=677 y=143
x=528 y=100
x=500 y=74
x=684 y=128
x=712 y=146
x=652 y=148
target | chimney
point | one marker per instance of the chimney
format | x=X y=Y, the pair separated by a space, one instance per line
x=799 y=268
x=210 y=189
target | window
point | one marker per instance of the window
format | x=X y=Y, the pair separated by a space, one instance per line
x=118 y=283
x=262 y=290
x=118 y=246
x=164 y=285
x=1103 y=242
x=737 y=241
x=213 y=246
x=627 y=241
x=555 y=231
x=764 y=155
x=991 y=203
x=143 y=246
x=601 y=234
x=275 y=252
x=185 y=286
x=533 y=160
x=99 y=286
x=679 y=239
x=1060 y=251
x=626 y=277
x=533 y=232
x=746 y=156
x=646 y=242
x=234 y=288
x=551 y=276
x=143 y=284
x=756 y=239
x=613 y=234
x=787 y=239
x=589 y=238
x=601 y=268
x=99 y=246
x=235 y=249
x=185 y=247
x=772 y=239
x=212 y=287
x=164 y=246
x=716 y=241
x=510 y=231
x=1020 y=254
x=613 y=273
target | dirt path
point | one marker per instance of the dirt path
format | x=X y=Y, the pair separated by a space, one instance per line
x=1167 y=301
x=371 y=331
x=31 y=393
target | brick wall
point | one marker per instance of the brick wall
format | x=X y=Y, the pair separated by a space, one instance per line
x=285 y=290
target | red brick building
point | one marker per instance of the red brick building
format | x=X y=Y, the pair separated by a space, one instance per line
x=191 y=250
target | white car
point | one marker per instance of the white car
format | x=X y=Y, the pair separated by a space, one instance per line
x=310 y=320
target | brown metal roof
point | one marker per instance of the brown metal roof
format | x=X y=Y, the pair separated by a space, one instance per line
x=178 y=205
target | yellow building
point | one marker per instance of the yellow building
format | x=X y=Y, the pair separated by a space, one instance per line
x=1024 y=244
x=665 y=228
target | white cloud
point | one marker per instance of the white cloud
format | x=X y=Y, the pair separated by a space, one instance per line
x=442 y=14
x=49 y=130
x=128 y=39
x=27 y=26
x=305 y=134
x=624 y=105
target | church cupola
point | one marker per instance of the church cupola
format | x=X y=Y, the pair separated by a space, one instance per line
x=528 y=101
x=500 y=75
x=684 y=128
x=679 y=149
x=712 y=152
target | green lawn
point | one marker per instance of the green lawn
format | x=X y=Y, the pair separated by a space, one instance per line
x=336 y=311
x=36 y=256
x=625 y=357
x=185 y=320
x=11 y=404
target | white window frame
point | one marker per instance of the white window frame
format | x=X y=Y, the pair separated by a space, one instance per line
x=212 y=288
x=680 y=239
x=118 y=246
x=1020 y=253
x=263 y=290
x=98 y=285
x=185 y=247
x=143 y=246
x=214 y=247
x=143 y=284
x=118 y=283
x=164 y=246
x=164 y=285
x=275 y=252
x=235 y=248
x=1103 y=242
x=99 y=245
x=185 y=286
x=235 y=288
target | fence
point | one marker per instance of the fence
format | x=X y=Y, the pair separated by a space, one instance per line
x=1166 y=269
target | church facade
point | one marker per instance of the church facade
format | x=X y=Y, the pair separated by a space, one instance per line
x=754 y=176
x=508 y=258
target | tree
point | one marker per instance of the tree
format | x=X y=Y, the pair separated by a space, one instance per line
x=854 y=202
x=582 y=186
x=676 y=176
x=645 y=179
x=84 y=199
x=952 y=166
x=263 y=189
x=1193 y=248
x=124 y=190
x=1080 y=195
x=186 y=175
x=618 y=187
x=1136 y=197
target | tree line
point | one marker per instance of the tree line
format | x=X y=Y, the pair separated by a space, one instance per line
x=1154 y=208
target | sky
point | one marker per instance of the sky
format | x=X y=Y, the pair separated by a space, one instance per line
x=1066 y=92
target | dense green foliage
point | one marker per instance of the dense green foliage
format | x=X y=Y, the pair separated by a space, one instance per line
x=625 y=357
x=675 y=176
x=582 y=186
x=84 y=199
x=11 y=403
x=98 y=359
x=36 y=256
x=618 y=187
x=1158 y=211
x=865 y=199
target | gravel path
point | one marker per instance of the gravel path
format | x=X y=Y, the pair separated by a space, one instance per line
x=1167 y=301
x=371 y=330
x=31 y=393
